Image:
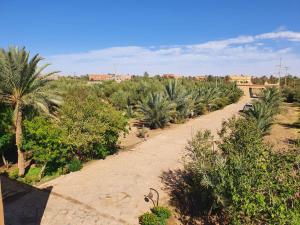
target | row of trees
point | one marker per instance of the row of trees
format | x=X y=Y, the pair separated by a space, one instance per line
x=56 y=122
x=51 y=126
x=157 y=101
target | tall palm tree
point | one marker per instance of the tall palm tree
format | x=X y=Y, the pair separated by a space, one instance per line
x=21 y=83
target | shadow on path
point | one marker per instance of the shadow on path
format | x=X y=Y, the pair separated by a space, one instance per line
x=23 y=204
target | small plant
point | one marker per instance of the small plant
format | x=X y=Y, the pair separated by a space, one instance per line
x=161 y=212
x=158 y=216
x=148 y=218
x=74 y=165
x=142 y=132
x=33 y=175
x=13 y=174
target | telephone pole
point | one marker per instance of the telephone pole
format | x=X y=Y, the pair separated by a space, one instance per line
x=279 y=69
x=286 y=74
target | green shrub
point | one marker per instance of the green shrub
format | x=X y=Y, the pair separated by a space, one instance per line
x=158 y=216
x=33 y=175
x=244 y=177
x=74 y=165
x=161 y=212
x=45 y=140
x=13 y=173
x=148 y=218
x=90 y=125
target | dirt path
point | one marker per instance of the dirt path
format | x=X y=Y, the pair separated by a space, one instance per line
x=111 y=191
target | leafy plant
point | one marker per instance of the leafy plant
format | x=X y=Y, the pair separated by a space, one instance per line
x=158 y=216
x=74 y=165
x=161 y=212
x=264 y=109
x=33 y=175
x=90 y=126
x=243 y=177
x=45 y=140
x=157 y=111
x=148 y=218
x=21 y=85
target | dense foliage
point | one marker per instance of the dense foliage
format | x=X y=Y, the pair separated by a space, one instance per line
x=157 y=101
x=57 y=125
x=22 y=85
x=243 y=177
x=90 y=125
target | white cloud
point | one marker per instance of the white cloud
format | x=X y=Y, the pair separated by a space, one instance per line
x=243 y=54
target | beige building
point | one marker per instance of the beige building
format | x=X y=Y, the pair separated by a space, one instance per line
x=100 y=77
x=200 y=78
x=240 y=79
x=171 y=75
x=105 y=77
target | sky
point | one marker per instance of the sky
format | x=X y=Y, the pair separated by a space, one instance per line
x=188 y=37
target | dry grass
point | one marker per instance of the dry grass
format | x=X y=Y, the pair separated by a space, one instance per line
x=285 y=131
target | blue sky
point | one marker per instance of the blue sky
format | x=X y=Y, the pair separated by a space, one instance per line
x=187 y=37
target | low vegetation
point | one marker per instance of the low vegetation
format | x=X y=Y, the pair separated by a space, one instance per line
x=241 y=180
x=158 y=216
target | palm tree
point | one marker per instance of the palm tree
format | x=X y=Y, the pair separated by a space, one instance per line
x=21 y=84
x=271 y=97
x=180 y=98
x=262 y=114
x=157 y=111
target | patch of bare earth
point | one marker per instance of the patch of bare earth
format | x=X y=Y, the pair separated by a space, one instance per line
x=284 y=131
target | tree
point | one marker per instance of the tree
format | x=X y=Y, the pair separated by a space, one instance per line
x=43 y=137
x=264 y=109
x=157 y=111
x=181 y=99
x=6 y=130
x=90 y=125
x=22 y=84
x=262 y=115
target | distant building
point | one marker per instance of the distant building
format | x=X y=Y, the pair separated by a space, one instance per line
x=52 y=77
x=240 y=79
x=100 y=77
x=170 y=75
x=105 y=77
x=200 y=78
x=120 y=78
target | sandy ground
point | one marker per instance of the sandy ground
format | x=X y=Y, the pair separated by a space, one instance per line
x=283 y=131
x=111 y=191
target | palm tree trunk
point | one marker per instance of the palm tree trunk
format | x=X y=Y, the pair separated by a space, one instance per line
x=18 y=127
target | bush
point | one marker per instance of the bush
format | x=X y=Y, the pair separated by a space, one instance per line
x=13 y=173
x=158 y=216
x=243 y=177
x=74 y=165
x=148 y=218
x=33 y=175
x=45 y=140
x=161 y=212
x=91 y=126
